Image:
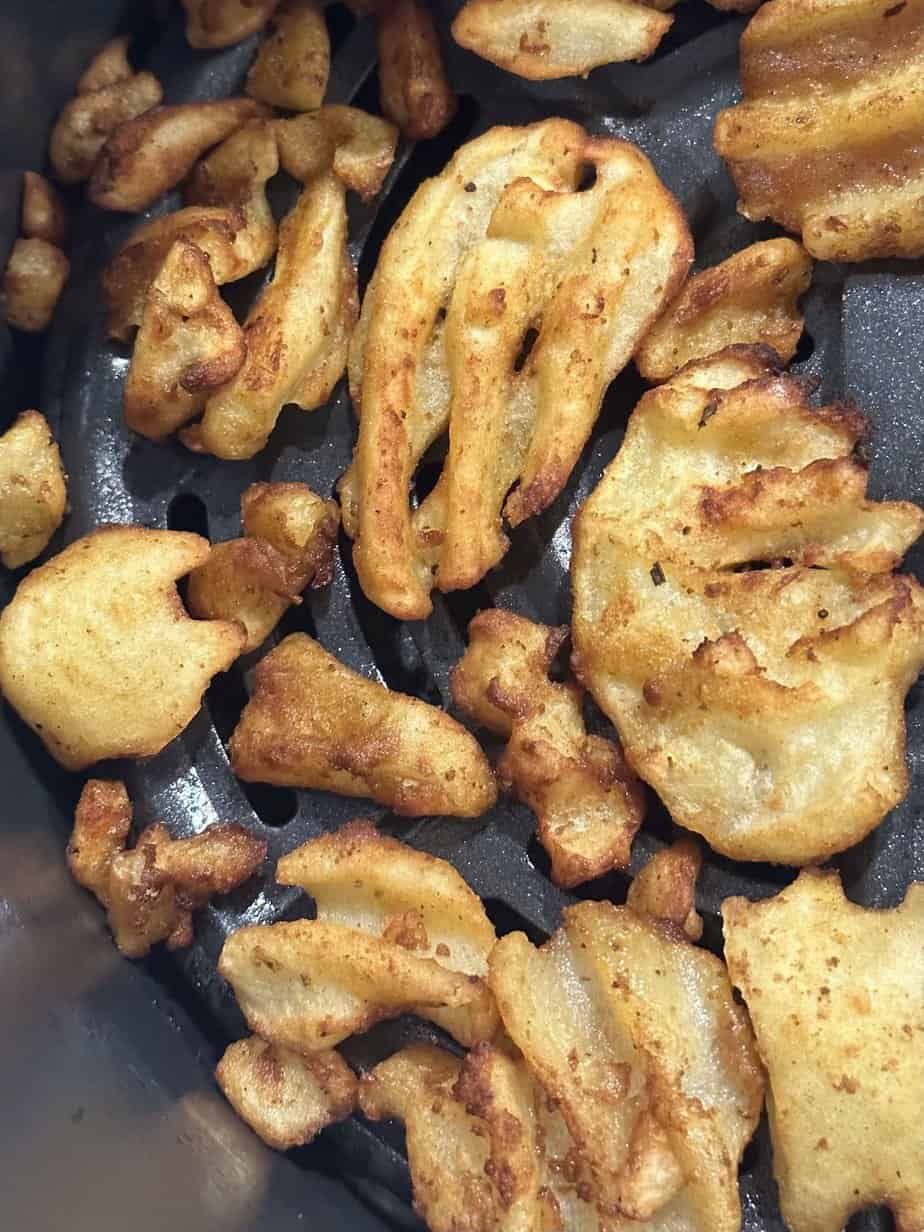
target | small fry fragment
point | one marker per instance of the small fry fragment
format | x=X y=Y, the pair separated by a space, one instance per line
x=297 y=332
x=32 y=283
x=109 y=94
x=312 y=722
x=357 y=146
x=286 y=1098
x=221 y=23
x=588 y=803
x=227 y=216
x=546 y=39
x=665 y=888
x=189 y=343
x=836 y=995
x=151 y=153
x=152 y=890
x=293 y=63
x=288 y=544
x=366 y=881
x=750 y=298
x=43 y=215
x=97 y=653
x=415 y=92
x=33 y=489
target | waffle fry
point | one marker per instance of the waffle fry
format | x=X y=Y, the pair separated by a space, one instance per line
x=750 y=700
x=836 y=995
x=545 y=39
x=33 y=489
x=293 y=63
x=221 y=23
x=588 y=803
x=827 y=141
x=101 y=626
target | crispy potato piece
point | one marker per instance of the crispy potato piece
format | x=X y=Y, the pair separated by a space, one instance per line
x=297 y=332
x=836 y=995
x=666 y=887
x=293 y=63
x=221 y=23
x=367 y=881
x=588 y=803
x=189 y=344
x=32 y=283
x=622 y=1020
x=97 y=653
x=396 y=358
x=750 y=699
x=33 y=489
x=43 y=214
x=228 y=217
x=545 y=39
x=358 y=147
x=312 y=722
x=414 y=91
x=151 y=153
x=826 y=143
x=102 y=822
x=109 y=94
x=285 y=1098
x=289 y=538
x=751 y=297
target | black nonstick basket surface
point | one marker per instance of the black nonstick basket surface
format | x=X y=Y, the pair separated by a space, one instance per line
x=862 y=341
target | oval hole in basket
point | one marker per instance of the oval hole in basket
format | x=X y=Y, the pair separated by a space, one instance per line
x=275 y=806
x=507 y=920
x=187 y=512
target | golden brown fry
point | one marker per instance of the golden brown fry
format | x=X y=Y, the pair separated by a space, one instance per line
x=836 y=995
x=109 y=94
x=97 y=653
x=366 y=881
x=151 y=153
x=622 y=1020
x=289 y=537
x=297 y=332
x=588 y=803
x=359 y=147
x=415 y=92
x=189 y=344
x=215 y=861
x=43 y=215
x=101 y=825
x=751 y=297
x=665 y=887
x=544 y=39
x=32 y=283
x=827 y=139
x=750 y=700
x=293 y=63
x=33 y=489
x=228 y=217
x=220 y=23
x=312 y=722
x=285 y=1098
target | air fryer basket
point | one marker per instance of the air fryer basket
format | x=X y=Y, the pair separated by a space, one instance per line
x=862 y=341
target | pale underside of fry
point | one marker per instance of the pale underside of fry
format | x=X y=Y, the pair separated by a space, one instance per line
x=312 y=722
x=287 y=545
x=836 y=995
x=499 y=244
x=588 y=803
x=33 y=489
x=189 y=343
x=97 y=653
x=151 y=891
x=751 y=699
x=750 y=298
x=362 y=880
x=220 y=23
x=285 y=1097
x=544 y=39
x=297 y=332
x=827 y=141
x=635 y=1034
